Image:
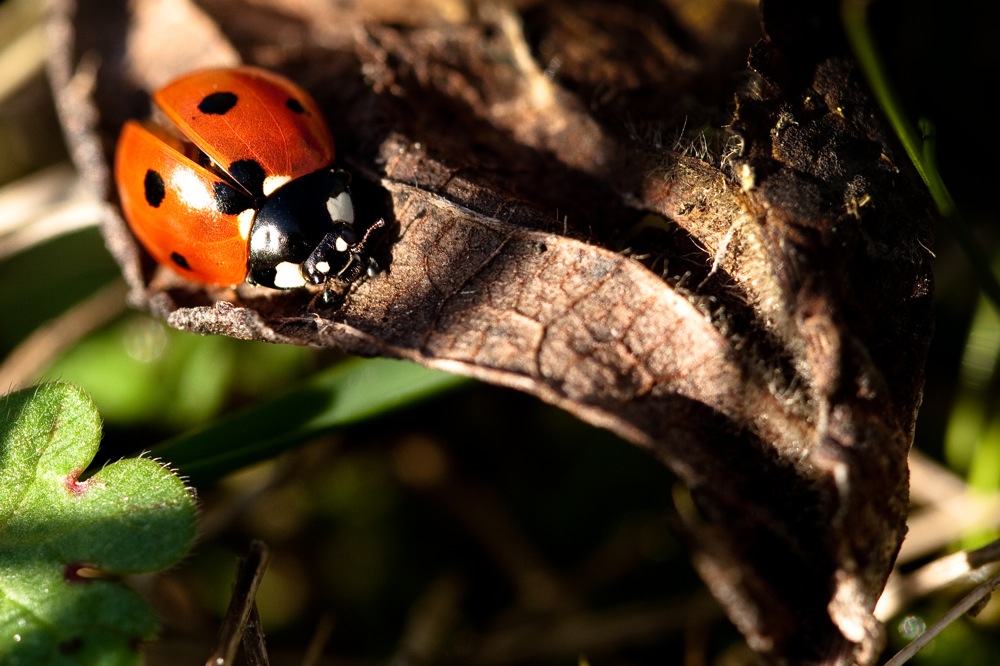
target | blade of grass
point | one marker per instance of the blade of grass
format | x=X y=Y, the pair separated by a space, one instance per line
x=973 y=438
x=968 y=603
x=919 y=146
x=343 y=395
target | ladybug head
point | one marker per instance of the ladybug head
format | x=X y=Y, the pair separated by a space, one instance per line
x=304 y=234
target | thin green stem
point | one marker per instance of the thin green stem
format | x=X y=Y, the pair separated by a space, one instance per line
x=919 y=146
x=854 y=14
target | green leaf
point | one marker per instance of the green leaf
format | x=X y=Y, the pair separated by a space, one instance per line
x=63 y=540
x=140 y=372
x=348 y=393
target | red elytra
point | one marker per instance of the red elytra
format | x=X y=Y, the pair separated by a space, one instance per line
x=238 y=184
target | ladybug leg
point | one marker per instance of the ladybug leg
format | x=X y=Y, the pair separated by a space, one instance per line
x=332 y=296
x=351 y=271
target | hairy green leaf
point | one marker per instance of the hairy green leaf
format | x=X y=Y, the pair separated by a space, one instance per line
x=65 y=541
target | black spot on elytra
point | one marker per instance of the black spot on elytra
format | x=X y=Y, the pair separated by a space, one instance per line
x=153 y=188
x=229 y=200
x=179 y=259
x=218 y=103
x=249 y=174
x=295 y=105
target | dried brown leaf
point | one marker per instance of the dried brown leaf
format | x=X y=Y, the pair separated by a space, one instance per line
x=750 y=304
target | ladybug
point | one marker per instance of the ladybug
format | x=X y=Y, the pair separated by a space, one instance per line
x=235 y=182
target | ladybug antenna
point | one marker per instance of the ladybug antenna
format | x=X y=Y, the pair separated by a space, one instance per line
x=377 y=224
x=372 y=267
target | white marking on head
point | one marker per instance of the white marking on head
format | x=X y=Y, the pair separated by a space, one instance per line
x=341 y=208
x=246 y=222
x=288 y=276
x=271 y=183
